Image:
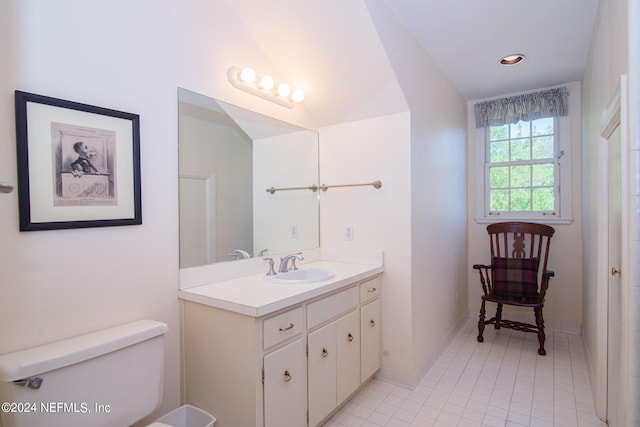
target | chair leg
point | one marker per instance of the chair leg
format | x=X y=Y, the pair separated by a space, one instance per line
x=498 y=316
x=540 y=325
x=481 y=322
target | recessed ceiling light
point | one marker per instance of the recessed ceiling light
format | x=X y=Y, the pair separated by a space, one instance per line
x=514 y=59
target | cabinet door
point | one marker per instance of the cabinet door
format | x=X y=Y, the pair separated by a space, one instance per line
x=285 y=386
x=348 y=366
x=371 y=336
x=322 y=373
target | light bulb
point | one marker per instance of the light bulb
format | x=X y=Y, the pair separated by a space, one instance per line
x=266 y=82
x=247 y=75
x=298 y=95
x=284 y=90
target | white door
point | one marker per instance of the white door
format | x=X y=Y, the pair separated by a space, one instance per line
x=196 y=231
x=614 y=360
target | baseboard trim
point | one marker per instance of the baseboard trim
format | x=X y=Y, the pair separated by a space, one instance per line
x=411 y=380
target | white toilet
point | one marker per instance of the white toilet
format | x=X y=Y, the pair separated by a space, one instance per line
x=113 y=377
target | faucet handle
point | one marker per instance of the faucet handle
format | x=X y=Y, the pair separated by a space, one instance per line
x=293 y=260
x=271 y=271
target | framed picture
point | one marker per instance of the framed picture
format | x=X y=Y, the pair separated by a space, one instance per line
x=78 y=165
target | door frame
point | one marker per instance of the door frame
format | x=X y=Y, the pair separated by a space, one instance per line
x=210 y=200
x=615 y=116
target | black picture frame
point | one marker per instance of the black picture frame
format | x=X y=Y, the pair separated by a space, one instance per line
x=78 y=164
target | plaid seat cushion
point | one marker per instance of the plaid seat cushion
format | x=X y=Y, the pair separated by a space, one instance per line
x=517 y=277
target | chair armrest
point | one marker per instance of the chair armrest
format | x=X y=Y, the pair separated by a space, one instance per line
x=485 y=278
x=544 y=284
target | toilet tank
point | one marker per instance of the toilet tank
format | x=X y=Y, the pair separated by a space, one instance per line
x=112 y=377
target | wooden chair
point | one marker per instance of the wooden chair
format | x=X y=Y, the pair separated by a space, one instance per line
x=517 y=275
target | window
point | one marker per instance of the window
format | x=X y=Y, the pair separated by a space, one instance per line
x=521 y=172
x=521 y=147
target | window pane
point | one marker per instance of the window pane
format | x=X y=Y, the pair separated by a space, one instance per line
x=543 y=199
x=542 y=126
x=520 y=130
x=499 y=152
x=499 y=177
x=520 y=149
x=542 y=175
x=521 y=199
x=499 y=200
x=522 y=167
x=521 y=176
x=543 y=147
x=498 y=132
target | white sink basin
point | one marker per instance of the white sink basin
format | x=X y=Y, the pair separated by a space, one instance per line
x=302 y=276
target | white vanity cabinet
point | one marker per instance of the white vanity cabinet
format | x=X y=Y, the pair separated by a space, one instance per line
x=290 y=368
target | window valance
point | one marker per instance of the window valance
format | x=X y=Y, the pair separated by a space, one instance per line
x=528 y=106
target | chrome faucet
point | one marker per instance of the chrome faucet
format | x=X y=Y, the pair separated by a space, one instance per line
x=240 y=254
x=284 y=262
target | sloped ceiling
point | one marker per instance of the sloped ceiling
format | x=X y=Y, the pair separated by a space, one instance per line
x=332 y=48
x=468 y=37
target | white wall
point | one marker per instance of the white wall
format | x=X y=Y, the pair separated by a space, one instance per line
x=132 y=56
x=613 y=52
x=423 y=233
x=129 y=56
x=634 y=210
x=599 y=86
x=565 y=258
x=361 y=152
x=438 y=209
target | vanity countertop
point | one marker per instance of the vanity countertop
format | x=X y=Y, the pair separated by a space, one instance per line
x=253 y=296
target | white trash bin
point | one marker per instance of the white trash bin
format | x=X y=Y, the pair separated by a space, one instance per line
x=186 y=416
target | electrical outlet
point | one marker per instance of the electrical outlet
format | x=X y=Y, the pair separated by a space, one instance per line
x=348 y=232
x=294 y=231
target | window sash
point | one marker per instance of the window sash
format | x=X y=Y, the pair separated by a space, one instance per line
x=522 y=213
x=555 y=212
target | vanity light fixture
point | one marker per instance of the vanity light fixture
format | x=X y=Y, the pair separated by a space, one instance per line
x=512 y=59
x=247 y=80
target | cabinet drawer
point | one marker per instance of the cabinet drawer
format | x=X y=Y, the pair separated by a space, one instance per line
x=370 y=289
x=331 y=306
x=285 y=325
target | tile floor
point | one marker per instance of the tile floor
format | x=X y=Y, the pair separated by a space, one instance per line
x=501 y=382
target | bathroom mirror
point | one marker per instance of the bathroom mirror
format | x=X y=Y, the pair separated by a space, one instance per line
x=228 y=158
